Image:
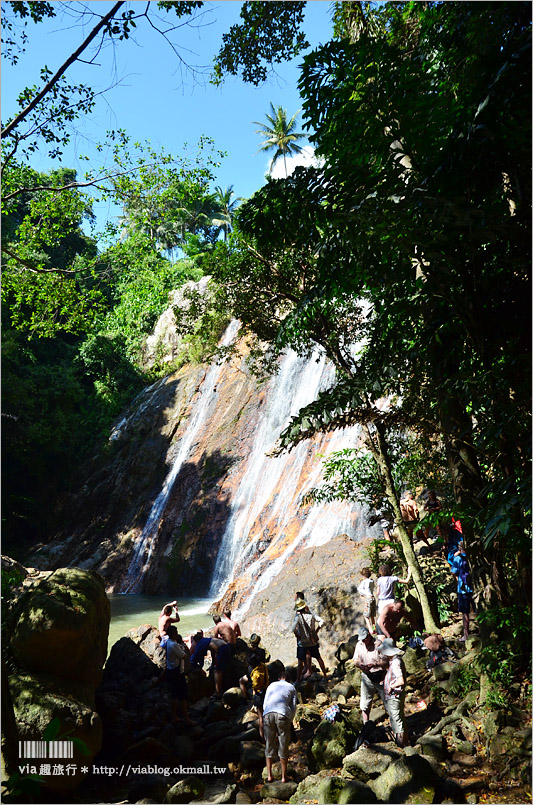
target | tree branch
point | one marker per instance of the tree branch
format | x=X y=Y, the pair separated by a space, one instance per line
x=74 y=185
x=33 y=269
x=64 y=67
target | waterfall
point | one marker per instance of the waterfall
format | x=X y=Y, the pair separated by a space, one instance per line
x=271 y=489
x=200 y=413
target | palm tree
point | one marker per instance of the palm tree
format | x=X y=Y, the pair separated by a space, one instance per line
x=280 y=135
x=226 y=209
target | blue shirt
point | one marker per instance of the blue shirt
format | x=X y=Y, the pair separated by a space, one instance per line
x=460 y=568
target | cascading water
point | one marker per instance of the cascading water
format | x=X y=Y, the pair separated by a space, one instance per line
x=272 y=487
x=200 y=414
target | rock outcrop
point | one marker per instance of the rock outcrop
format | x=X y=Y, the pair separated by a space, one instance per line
x=229 y=511
x=58 y=624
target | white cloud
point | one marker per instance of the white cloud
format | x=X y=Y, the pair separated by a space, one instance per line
x=305 y=158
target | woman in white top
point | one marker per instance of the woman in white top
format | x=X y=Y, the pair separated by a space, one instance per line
x=387 y=586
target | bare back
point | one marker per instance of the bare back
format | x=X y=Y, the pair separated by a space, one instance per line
x=225 y=631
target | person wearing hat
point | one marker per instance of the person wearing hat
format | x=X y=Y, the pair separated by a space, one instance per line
x=373 y=665
x=306 y=626
x=394 y=690
x=257 y=652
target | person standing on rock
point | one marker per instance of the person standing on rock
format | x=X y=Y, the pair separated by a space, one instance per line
x=373 y=666
x=166 y=618
x=176 y=653
x=224 y=630
x=387 y=585
x=279 y=709
x=306 y=626
x=220 y=655
x=410 y=513
x=394 y=691
x=461 y=569
x=226 y=616
x=366 y=591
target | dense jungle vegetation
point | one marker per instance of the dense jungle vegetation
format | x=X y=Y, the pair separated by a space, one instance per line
x=411 y=241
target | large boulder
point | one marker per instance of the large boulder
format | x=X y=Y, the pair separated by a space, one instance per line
x=369 y=761
x=61 y=625
x=187 y=790
x=410 y=778
x=278 y=790
x=332 y=741
x=325 y=787
x=38 y=700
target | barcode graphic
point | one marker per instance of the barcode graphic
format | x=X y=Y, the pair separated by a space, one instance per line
x=46 y=749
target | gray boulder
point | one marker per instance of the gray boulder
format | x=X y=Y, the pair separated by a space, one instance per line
x=309 y=789
x=186 y=790
x=278 y=790
x=332 y=741
x=220 y=791
x=370 y=760
x=408 y=776
x=345 y=689
x=354 y=792
x=232 y=697
x=252 y=756
x=433 y=746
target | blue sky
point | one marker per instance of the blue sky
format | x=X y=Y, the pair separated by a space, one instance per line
x=154 y=99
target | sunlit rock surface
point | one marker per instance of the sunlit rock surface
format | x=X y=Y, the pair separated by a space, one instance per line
x=186 y=499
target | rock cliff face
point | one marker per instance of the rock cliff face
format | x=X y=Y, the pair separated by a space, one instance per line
x=186 y=499
x=56 y=625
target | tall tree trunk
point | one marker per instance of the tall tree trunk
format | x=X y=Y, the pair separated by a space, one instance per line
x=379 y=449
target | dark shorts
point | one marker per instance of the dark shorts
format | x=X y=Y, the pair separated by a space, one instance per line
x=177 y=683
x=258 y=699
x=301 y=651
x=464 y=602
x=223 y=657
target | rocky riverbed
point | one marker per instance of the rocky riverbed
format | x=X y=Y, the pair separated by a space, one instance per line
x=465 y=746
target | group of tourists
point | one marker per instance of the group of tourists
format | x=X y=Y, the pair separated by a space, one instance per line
x=451 y=536
x=272 y=692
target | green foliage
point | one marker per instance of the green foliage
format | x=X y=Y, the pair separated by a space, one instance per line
x=21 y=787
x=395 y=559
x=11 y=577
x=467 y=679
x=509 y=651
x=269 y=34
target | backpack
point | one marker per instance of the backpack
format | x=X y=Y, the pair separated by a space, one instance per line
x=465 y=576
x=259 y=678
x=436 y=658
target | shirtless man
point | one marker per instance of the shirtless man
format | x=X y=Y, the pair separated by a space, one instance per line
x=220 y=655
x=224 y=630
x=166 y=618
x=391 y=616
x=410 y=514
x=226 y=616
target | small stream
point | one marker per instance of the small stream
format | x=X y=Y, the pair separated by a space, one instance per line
x=130 y=611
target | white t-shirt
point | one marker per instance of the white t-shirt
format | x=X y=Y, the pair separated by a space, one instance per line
x=366 y=588
x=386 y=585
x=280 y=697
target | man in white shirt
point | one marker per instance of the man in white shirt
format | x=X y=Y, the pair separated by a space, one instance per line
x=373 y=666
x=279 y=708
